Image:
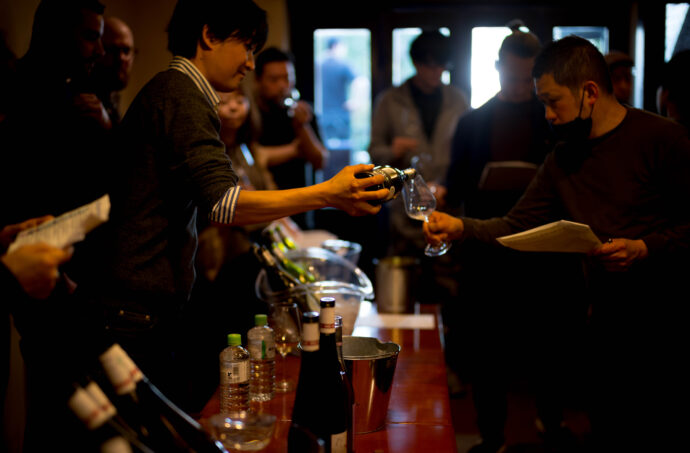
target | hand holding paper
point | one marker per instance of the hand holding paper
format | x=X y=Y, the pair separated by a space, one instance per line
x=68 y=228
x=560 y=236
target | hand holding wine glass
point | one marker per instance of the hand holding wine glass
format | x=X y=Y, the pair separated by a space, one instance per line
x=283 y=318
x=419 y=204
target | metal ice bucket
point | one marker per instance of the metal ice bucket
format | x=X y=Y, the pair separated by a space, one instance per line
x=371 y=366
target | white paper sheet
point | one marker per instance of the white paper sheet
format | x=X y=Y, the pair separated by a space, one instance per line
x=397 y=321
x=68 y=228
x=560 y=236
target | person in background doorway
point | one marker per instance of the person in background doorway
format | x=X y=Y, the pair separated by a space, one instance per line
x=673 y=95
x=112 y=72
x=286 y=126
x=621 y=68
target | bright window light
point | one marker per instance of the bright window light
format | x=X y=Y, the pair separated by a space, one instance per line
x=486 y=41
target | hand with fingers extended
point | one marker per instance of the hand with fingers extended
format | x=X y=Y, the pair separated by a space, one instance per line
x=35 y=266
x=617 y=255
x=345 y=191
x=442 y=227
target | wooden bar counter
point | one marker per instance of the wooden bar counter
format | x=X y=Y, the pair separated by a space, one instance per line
x=418 y=417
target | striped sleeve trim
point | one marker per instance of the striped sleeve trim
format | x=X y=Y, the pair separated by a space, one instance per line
x=224 y=210
x=187 y=67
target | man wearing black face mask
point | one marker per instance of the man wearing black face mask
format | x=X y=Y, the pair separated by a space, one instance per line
x=625 y=173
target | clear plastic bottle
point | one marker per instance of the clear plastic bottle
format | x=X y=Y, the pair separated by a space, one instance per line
x=234 y=376
x=262 y=350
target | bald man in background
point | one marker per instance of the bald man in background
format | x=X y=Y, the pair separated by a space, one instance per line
x=112 y=72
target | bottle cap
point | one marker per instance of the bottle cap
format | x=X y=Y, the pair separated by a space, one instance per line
x=260 y=319
x=310 y=317
x=328 y=301
x=234 y=339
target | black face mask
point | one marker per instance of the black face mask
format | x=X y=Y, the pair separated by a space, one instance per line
x=575 y=131
x=571 y=150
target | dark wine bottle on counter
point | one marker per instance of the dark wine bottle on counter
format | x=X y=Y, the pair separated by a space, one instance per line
x=319 y=400
x=340 y=426
x=394 y=180
x=348 y=385
x=166 y=423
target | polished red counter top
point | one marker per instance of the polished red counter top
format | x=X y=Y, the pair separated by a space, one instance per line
x=418 y=417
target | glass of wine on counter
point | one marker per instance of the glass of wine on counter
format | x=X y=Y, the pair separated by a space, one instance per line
x=283 y=318
x=419 y=204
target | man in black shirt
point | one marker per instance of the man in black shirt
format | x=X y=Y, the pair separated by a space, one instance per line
x=626 y=174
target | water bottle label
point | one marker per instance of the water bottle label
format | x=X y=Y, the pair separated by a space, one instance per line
x=339 y=442
x=235 y=373
x=262 y=349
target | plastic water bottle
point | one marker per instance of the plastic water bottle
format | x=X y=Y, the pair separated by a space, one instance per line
x=234 y=376
x=262 y=352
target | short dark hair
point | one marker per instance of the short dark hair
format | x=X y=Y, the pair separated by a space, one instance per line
x=572 y=61
x=431 y=47
x=521 y=44
x=271 y=55
x=242 y=20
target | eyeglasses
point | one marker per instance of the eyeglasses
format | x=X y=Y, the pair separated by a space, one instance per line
x=123 y=51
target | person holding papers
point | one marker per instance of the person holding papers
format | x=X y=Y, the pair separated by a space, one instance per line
x=626 y=174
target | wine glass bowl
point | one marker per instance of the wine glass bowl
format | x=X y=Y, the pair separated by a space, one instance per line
x=419 y=204
x=283 y=318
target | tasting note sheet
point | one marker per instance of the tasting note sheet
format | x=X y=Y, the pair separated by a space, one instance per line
x=560 y=236
x=68 y=228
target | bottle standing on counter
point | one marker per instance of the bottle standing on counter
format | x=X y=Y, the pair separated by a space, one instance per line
x=318 y=407
x=338 y=430
x=394 y=180
x=234 y=376
x=261 y=346
x=348 y=384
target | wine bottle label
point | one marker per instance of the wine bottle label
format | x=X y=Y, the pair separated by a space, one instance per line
x=339 y=442
x=86 y=409
x=95 y=392
x=261 y=349
x=235 y=373
x=310 y=337
x=120 y=369
x=327 y=320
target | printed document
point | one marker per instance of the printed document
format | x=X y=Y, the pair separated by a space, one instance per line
x=68 y=228
x=560 y=236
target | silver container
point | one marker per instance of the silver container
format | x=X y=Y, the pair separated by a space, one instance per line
x=371 y=367
x=395 y=282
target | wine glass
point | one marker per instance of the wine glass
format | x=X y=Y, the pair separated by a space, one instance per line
x=419 y=203
x=283 y=318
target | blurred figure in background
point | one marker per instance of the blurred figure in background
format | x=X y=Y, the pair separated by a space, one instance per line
x=673 y=96
x=285 y=125
x=621 y=68
x=111 y=73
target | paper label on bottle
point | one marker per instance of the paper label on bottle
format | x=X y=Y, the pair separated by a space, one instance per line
x=86 y=409
x=310 y=337
x=327 y=320
x=235 y=373
x=100 y=398
x=339 y=442
x=121 y=370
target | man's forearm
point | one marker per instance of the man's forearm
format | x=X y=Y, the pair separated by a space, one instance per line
x=310 y=147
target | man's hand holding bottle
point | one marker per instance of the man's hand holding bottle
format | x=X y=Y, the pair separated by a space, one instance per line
x=348 y=193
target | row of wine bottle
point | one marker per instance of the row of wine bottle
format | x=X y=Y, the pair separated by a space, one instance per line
x=324 y=399
x=139 y=417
